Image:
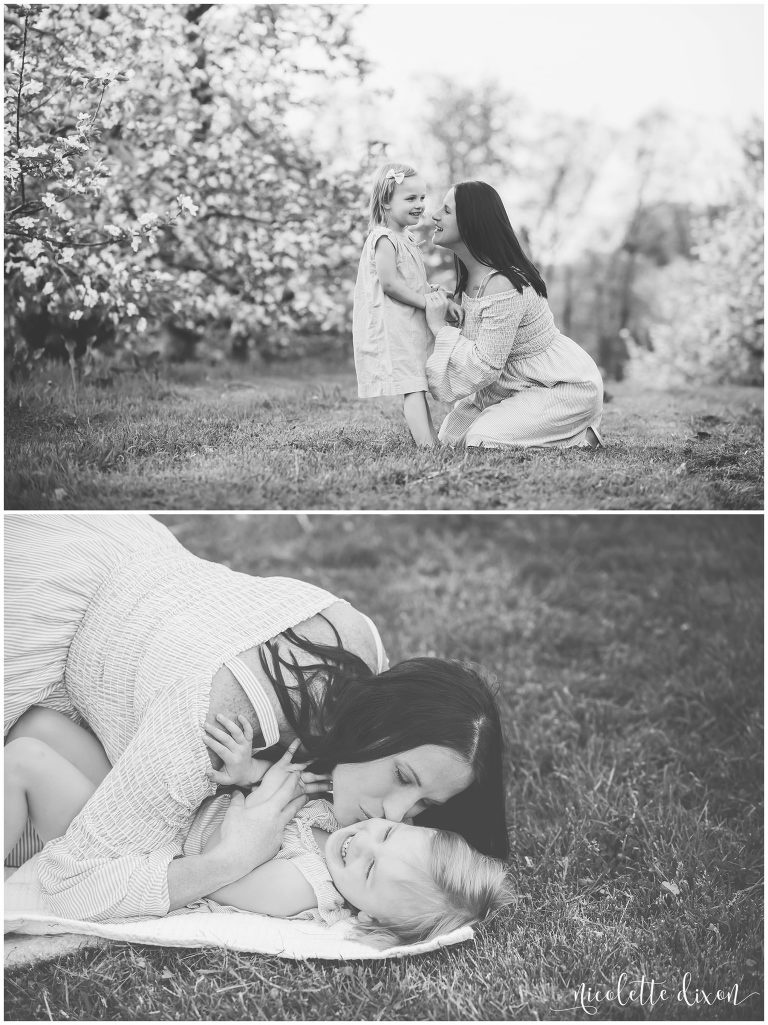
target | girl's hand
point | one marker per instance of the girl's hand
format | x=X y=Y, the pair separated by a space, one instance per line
x=284 y=771
x=233 y=743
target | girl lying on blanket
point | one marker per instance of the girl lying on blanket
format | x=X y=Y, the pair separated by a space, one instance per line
x=405 y=883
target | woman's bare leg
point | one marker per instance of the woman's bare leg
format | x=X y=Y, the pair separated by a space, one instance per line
x=42 y=786
x=418 y=418
x=77 y=745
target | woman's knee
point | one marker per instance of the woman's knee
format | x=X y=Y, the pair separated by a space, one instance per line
x=36 y=723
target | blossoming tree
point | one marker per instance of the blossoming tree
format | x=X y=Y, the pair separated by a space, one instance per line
x=153 y=173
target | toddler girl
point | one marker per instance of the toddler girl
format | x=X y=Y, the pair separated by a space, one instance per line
x=406 y=883
x=389 y=329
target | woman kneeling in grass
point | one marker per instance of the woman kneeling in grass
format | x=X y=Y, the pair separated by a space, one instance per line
x=406 y=883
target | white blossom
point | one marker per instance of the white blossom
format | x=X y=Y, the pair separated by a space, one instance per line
x=186 y=204
x=33 y=249
x=141 y=325
x=76 y=315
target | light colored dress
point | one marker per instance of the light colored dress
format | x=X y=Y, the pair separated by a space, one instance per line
x=391 y=340
x=298 y=846
x=517 y=379
x=109 y=617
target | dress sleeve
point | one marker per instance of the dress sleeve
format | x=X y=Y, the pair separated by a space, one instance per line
x=459 y=366
x=112 y=863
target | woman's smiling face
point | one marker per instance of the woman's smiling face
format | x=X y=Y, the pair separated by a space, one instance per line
x=398 y=786
x=446 y=233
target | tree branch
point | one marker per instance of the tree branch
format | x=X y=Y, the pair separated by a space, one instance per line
x=18 y=106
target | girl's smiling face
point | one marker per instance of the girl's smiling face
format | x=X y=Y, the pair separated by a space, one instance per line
x=398 y=786
x=446 y=233
x=371 y=861
x=406 y=206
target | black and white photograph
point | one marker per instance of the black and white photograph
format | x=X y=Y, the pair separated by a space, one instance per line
x=529 y=784
x=445 y=256
x=383 y=533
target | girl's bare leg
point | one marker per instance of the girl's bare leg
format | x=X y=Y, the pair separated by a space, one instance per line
x=42 y=786
x=77 y=745
x=418 y=418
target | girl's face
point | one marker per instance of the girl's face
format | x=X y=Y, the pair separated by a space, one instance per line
x=370 y=861
x=406 y=206
x=446 y=233
x=398 y=786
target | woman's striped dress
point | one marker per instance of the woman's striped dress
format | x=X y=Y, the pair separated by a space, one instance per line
x=109 y=617
x=518 y=381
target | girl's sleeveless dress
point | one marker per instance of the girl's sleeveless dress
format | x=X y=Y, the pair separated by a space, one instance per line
x=391 y=340
x=298 y=846
x=110 y=618
x=514 y=378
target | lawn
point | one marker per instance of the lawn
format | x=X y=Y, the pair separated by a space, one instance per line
x=628 y=655
x=296 y=437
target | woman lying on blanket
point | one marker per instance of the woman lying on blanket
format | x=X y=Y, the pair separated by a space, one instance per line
x=111 y=621
x=406 y=883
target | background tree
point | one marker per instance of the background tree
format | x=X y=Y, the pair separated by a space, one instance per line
x=152 y=174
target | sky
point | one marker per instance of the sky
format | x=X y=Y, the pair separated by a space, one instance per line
x=605 y=62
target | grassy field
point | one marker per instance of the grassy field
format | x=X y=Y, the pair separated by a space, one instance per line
x=628 y=654
x=298 y=438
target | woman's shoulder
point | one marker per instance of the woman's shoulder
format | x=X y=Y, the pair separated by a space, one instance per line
x=356 y=630
x=497 y=284
x=501 y=285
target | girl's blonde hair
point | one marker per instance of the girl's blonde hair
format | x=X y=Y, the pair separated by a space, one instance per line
x=460 y=887
x=383 y=190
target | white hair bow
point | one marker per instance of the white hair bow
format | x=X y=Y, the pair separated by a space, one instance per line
x=396 y=176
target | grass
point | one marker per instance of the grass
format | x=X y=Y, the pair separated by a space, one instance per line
x=297 y=438
x=628 y=654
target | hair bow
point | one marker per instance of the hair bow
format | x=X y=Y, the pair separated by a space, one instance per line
x=396 y=176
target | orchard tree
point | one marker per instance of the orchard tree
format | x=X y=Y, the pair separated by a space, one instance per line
x=708 y=321
x=153 y=172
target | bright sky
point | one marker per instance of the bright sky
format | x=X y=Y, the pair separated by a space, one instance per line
x=606 y=62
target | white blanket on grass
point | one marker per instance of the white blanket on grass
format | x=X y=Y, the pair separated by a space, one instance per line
x=24 y=912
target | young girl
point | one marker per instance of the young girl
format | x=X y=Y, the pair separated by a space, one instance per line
x=389 y=329
x=406 y=883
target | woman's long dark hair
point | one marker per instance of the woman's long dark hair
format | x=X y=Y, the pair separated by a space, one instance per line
x=487 y=233
x=343 y=712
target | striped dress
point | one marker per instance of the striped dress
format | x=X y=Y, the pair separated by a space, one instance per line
x=110 y=618
x=514 y=379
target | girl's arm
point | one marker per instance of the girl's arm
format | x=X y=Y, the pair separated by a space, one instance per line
x=277 y=888
x=391 y=281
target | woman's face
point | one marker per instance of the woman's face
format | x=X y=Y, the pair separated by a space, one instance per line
x=398 y=786
x=446 y=233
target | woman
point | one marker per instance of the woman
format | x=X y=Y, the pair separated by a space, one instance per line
x=518 y=380
x=110 y=618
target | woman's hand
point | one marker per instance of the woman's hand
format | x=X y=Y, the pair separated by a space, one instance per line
x=436 y=309
x=252 y=829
